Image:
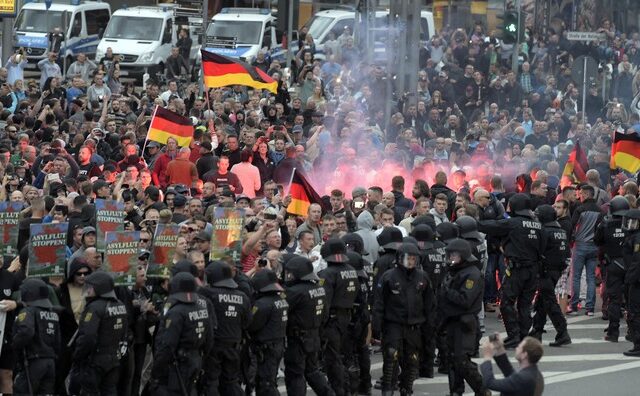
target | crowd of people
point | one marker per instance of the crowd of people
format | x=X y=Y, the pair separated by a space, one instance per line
x=451 y=205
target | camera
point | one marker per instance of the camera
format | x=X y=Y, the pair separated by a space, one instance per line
x=262 y=262
x=493 y=337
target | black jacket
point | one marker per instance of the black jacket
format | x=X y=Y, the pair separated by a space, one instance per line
x=521 y=237
x=269 y=321
x=461 y=291
x=308 y=307
x=233 y=309
x=341 y=284
x=526 y=382
x=37 y=331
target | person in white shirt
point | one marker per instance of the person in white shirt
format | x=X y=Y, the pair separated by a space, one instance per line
x=439 y=210
x=386 y=220
x=305 y=249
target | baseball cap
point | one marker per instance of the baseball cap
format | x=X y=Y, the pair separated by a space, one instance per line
x=241 y=197
x=179 y=201
x=153 y=144
x=297 y=129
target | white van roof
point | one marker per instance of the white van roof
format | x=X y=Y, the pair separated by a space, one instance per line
x=244 y=14
x=150 y=11
x=86 y=5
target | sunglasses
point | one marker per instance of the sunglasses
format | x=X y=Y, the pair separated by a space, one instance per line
x=144 y=240
x=82 y=273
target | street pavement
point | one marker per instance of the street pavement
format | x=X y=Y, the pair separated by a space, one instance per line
x=589 y=366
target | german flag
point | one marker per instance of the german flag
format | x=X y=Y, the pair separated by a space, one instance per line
x=577 y=165
x=625 y=152
x=166 y=124
x=221 y=71
x=302 y=195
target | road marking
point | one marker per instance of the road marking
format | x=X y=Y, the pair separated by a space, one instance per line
x=588 y=341
x=592 y=372
x=575 y=358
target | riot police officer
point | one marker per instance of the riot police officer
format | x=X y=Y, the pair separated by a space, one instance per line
x=459 y=301
x=100 y=341
x=268 y=330
x=340 y=282
x=433 y=264
x=522 y=244
x=357 y=355
x=610 y=237
x=555 y=259
x=403 y=303
x=37 y=340
x=447 y=232
x=308 y=309
x=631 y=255
x=184 y=336
x=389 y=240
x=233 y=311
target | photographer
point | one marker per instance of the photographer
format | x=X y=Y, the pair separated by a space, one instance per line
x=15 y=66
x=49 y=68
x=524 y=382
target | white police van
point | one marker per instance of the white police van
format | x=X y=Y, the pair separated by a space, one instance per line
x=143 y=36
x=324 y=22
x=242 y=32
x=81 y=23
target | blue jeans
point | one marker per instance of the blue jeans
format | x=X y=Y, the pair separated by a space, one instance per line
x=584 y=256
x=495 y=262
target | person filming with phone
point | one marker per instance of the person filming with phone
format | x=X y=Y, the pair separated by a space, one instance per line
x=527 y=381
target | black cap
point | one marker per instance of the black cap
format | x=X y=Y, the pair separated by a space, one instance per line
x=220 y=274
x=182 y=287
x=334 y=251
x=265 y=280
x=179 y=201
x=35 y=292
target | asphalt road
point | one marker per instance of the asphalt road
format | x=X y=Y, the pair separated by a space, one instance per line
x=589 y=366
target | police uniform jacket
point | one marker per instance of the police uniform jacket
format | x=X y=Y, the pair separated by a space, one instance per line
x=461 y=292
x=37 y=331
x=269 y=322
x=103 y=325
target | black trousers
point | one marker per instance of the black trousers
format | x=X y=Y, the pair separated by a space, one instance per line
x=301 y=366
x=268 y=357
x=222 y=370
x=401 y=346
x=547 y=303
x=615 y=293
x=357 y=357
x=518 y=289
x=461 y=340
x=42 y=375
x=634 y=313
x=335 y=337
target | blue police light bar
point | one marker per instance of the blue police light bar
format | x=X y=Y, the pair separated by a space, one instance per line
x=257 y=11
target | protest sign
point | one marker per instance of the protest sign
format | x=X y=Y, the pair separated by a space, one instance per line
x=47 y=250
x=121 y=256
x=9 y=219
x=109 y=218
x=226 y=240
x=164 y=245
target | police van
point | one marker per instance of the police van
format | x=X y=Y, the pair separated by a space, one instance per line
x=242 y=32
x=81 y=25
x=335 y=21
x=143 y=36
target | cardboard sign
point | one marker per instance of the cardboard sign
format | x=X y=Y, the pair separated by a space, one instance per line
x=9 y=219
x=164 y=246
x=109 y=218
x=121 y=256
x=226 y=240
x=47 y=250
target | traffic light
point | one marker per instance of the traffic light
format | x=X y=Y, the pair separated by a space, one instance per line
x=510 y=28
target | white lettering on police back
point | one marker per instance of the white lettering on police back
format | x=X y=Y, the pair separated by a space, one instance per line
x=281 y=304
x=117 y=310
x=230 y=298
x=198 y=315
x=46 y=315
x=315 y=293
x=532 y=224
x=348 y=275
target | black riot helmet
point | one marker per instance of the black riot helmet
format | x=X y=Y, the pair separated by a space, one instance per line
x=184 y=265
x=102 y=283
x=447 y=232
x=462 y=248
x=468 y=227
x=353 y=242
x=266 y=280
x=35 y=292
x=182 y=287
x=356 y=261
x=618 y=205
x=519 y=204
x=300 y=269
x=408 y=249
x=220 y=274
x=334 y=251
x=390 y=238
x=546 y=214
x=631 y=220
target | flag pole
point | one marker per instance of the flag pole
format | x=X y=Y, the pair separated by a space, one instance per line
x=146 y=138
x=290 y=181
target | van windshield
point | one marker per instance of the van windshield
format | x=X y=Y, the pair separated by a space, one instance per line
x=318 y=25
x=244 y=32
x=38 y=21
x=134 y=28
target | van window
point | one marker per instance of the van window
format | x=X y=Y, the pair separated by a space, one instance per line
x=76 y=25
x=96 y=20
x=318 y=25
x=168 y=30
x=338 y=29
x=424 y=29
x=134 y=28
x=39 y=21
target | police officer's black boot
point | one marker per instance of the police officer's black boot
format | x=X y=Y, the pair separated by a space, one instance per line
x=562 y=338
x=535 y=333
x=512 y=341
x=426 y=371
x=635 y=352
